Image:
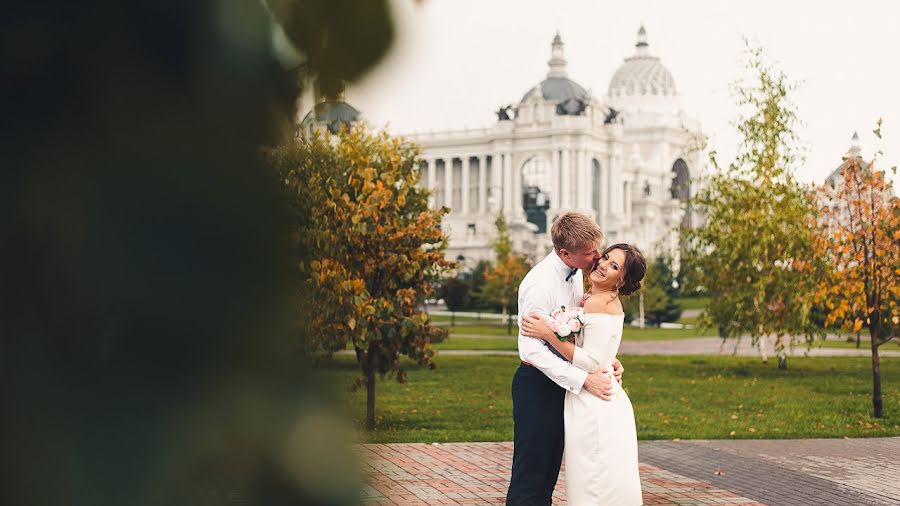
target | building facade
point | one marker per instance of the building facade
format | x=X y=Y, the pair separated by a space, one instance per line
x=626 y=160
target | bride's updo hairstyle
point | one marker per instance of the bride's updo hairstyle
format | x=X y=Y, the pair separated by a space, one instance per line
x=635 y=268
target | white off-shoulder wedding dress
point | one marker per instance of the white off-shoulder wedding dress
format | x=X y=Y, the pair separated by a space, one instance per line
x=601 y=440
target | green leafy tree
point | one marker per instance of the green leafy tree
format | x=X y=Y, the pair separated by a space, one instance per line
x=368 y=246
x=456 y=293
x=477 y=279
x=659 y=305
x=858 y=258
x=502 y=281
x=756 y=226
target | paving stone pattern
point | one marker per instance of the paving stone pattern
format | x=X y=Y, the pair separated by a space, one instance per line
x=870 y=467
x=478 y=473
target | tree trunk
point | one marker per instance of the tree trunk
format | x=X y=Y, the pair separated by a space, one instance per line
x=782 y=362
x=857 y=338
x=876 y=377
x=763 y=347
x=371 y=363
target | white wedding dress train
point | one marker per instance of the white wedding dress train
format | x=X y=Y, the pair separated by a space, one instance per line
x=601 y=440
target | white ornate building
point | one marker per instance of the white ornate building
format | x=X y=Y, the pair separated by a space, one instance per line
x=626 y=160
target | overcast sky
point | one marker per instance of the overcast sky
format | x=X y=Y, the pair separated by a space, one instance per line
x=454 y=62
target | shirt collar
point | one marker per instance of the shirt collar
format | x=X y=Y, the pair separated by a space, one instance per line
x=558 y=264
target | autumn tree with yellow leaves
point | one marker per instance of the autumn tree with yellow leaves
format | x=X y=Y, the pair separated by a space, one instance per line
x=502 y=281
x=368 y=248
x=857 y=251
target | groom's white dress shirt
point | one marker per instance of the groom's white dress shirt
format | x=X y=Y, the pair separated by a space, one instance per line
x=544 y=289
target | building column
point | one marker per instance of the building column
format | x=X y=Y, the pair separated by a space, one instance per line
x=554 y=179
x=465 y=185
x=518 y=209
x=482 y=184
x=432 y=182
x=618 y=186
x=582 y=180
x=627 y=199
x=588 y=171
x=507 y=185
x=566 y=190
x=448 y=182
x=606 y=191
x=496 y=182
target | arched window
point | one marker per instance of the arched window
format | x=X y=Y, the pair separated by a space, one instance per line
x=536 y=191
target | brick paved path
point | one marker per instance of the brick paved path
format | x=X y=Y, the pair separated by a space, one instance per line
x=478 y=473
x=812 y=472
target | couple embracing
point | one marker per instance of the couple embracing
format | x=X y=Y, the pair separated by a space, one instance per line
x=568 y=395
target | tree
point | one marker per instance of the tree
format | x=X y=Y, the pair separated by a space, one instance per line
x=858 y=258
x=456 y=293
x=477 y=280
x=659 y=305
x=756 y=229
x=368 y=247
x=502 y=281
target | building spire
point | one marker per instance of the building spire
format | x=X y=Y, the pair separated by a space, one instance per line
x=854 y=151
x=557 y=58
x=643 y=47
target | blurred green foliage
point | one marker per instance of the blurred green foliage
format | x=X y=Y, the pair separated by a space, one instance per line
x=147 y=289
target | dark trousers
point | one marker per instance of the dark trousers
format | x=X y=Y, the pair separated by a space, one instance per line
x=538 y=439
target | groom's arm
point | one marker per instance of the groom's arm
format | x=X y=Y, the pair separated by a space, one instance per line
x=534 y=298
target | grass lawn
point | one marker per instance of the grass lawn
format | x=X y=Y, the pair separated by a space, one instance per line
x=468 y=398
x=457 y=341
x=693 y=302
x=658 y=334
x=477 y=343
x=465 y=320
x=485 y=330
x=645 y=334
x=864 y=345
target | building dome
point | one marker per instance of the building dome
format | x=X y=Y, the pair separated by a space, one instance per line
x=853 y=154
x=331 y=115
x=642 y=74
x=557 y=87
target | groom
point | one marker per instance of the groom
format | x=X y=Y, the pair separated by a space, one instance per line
x=540 y=383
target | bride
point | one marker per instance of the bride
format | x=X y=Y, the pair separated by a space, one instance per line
x=600 y=437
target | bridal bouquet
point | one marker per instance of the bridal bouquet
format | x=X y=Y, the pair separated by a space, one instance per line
x=566 y=322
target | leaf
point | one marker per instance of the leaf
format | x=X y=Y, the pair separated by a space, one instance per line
x=351 y=323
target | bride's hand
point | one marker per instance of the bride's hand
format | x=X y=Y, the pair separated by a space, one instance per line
x=534 y=325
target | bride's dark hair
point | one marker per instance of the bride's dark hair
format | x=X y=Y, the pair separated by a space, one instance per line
x=635 y=267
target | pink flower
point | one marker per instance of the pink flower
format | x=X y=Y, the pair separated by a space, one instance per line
x=575 y=324
x=552 y=324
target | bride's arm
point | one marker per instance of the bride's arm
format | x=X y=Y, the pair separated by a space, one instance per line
x=534 y=325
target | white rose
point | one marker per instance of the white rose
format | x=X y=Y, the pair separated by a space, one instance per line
x=563 y=329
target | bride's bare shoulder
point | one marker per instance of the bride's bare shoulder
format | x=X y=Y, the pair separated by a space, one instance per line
x=603 y=303
x=594 y=305
x=615 y=306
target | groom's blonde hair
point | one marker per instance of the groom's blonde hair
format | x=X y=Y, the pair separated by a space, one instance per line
x=575 y=232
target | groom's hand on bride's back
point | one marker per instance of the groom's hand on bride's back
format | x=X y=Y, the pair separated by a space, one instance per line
x=599 y=384
x=618 y=370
